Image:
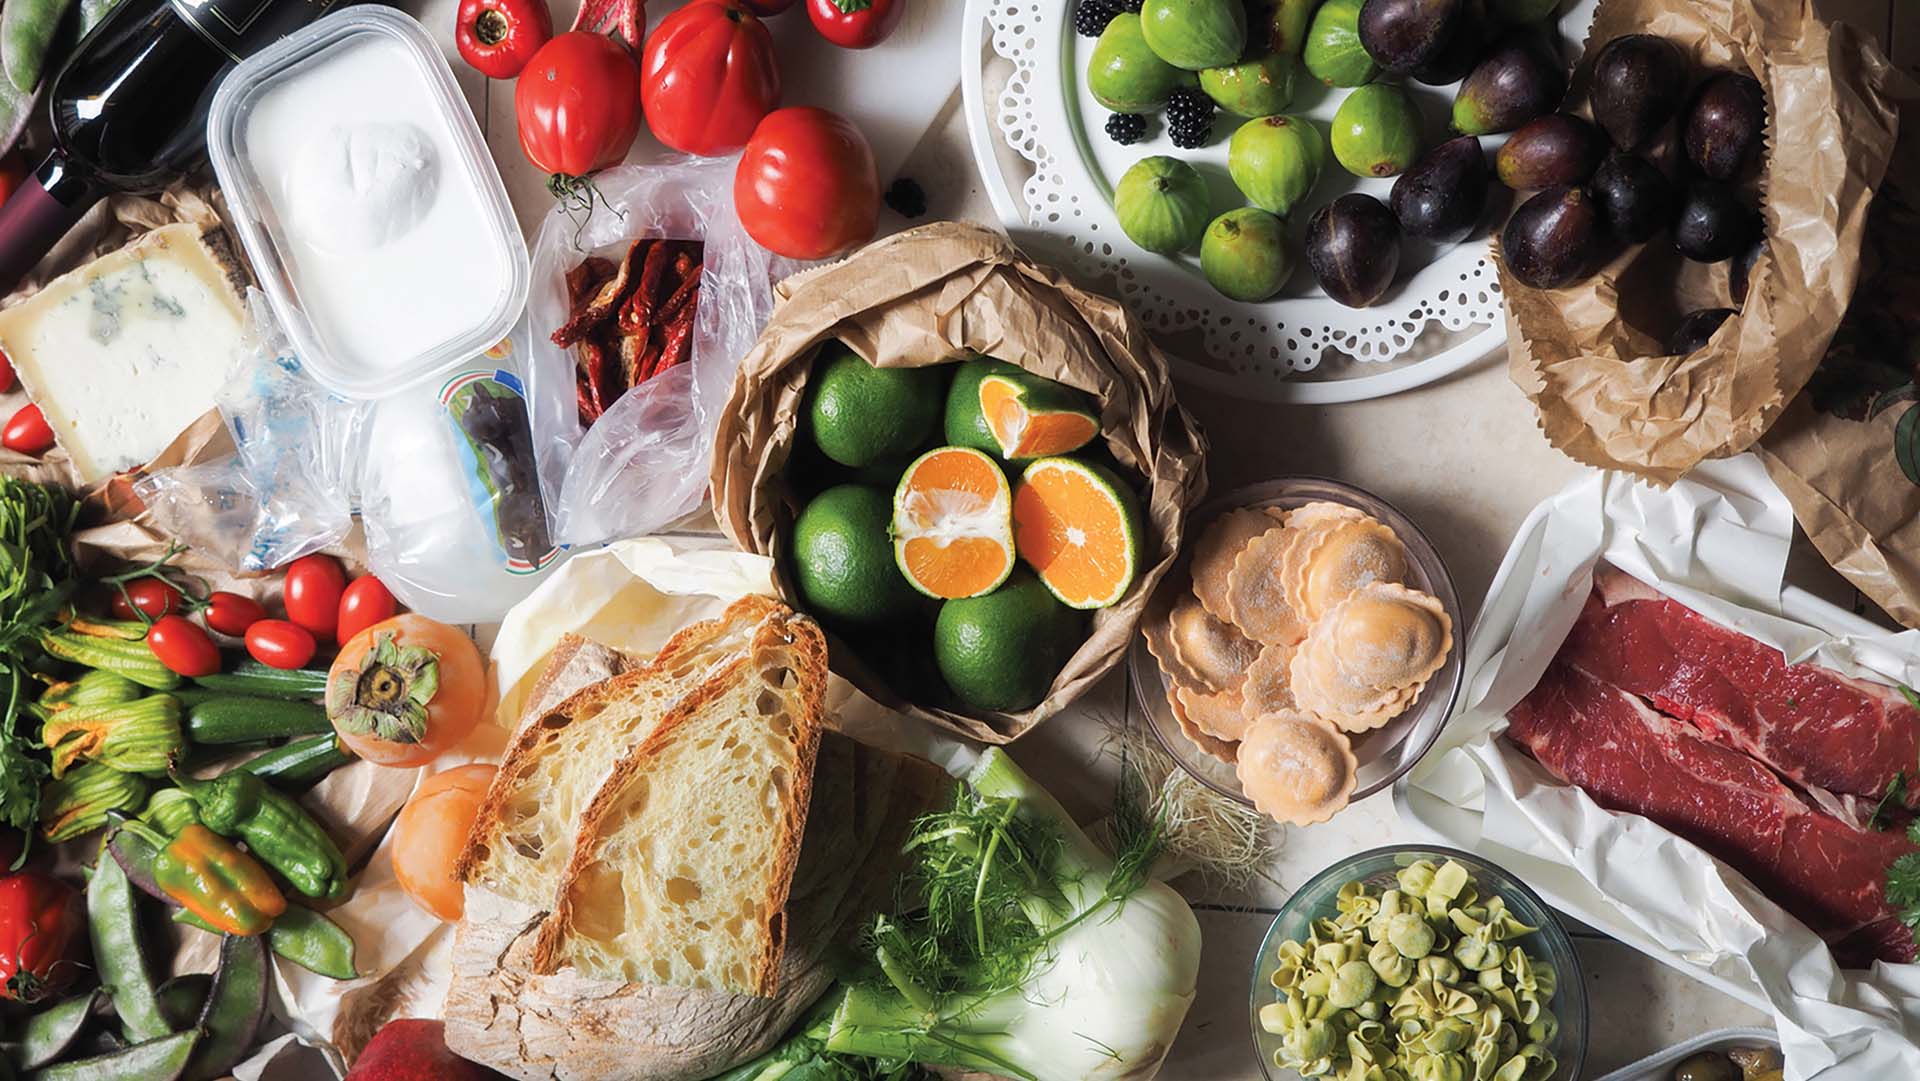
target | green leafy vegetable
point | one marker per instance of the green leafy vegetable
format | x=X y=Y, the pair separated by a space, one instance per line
x=1903 y=882
x=36 y=580
x=1889 y=798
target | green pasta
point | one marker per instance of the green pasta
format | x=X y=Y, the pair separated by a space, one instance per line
x=1425 y=981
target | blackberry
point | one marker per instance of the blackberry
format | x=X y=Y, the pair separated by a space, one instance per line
x=1126 y=128
x=1092 y=16
x=1189 y=118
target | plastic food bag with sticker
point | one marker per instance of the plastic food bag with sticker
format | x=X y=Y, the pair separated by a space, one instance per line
x=624 y=411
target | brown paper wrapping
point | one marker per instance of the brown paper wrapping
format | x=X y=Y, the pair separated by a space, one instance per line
x=929 y=296
x=1833 y=451
x=1587 y=354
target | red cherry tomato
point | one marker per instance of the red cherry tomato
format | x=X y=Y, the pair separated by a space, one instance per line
x=277 y=643
x=312 y=594
x=365 y=602
x=27 y=432
x=498 y=37
x=183 y=647
x=42 y=923
x=855 y=24
x=232 y=613
x=806 y=186
x=148 y=597
x=708 y=76
x=7 y=376
x=578 y=104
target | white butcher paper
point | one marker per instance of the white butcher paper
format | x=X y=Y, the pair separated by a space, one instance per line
x=1716 y=542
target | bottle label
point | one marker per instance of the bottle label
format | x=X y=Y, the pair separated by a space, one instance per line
x=241 y=28
x=488 y=410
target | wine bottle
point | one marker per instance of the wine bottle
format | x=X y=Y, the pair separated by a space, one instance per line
x=129 y=109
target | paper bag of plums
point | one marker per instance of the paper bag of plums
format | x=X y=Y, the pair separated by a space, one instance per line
x=1691 y=238
x=970 y=470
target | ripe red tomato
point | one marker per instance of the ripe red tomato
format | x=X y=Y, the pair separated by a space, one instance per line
x=27 y=432
x=578 y=104
x=41 y=924
x=855 y=24
x=312 y=594
x=498 y=37
x=232 y=613
x=150 y=597
x=806 y=186
x=277 y=643
x=708 y=76
x=183 y=646
x=365 y=603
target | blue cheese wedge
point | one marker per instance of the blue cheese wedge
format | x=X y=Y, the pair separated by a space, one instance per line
x=124 y=353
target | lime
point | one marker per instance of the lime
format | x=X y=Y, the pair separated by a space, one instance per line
x=1001 y=651
x=859 y=414
x=843 y=558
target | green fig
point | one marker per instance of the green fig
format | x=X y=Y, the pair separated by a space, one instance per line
x=1276 y=160
x=1125 y=75
x=1162 y=204
x=1244 y=254
x=1258 y=87
x=1376 y=131
x=1195 y=34
x=1283 y=23
x=1334 y=54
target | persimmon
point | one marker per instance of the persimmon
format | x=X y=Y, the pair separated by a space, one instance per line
x=406 y=689
x=431 y=831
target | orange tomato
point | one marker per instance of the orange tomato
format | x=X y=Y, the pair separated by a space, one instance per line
x=431 y=831
x=384 y=706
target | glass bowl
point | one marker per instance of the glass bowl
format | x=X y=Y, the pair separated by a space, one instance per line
x=1377 y=867
x=1383 y=753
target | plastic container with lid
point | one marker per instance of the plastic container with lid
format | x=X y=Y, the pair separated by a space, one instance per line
x=367 y=202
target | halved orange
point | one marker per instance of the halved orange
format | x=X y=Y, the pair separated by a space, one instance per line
x=1031 y=417
x=1078 y=526
x=952 y=524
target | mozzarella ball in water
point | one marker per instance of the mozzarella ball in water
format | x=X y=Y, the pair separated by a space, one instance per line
x=357 y=187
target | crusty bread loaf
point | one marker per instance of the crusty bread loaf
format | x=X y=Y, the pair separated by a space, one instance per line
x=524 y=832
x=685 y=857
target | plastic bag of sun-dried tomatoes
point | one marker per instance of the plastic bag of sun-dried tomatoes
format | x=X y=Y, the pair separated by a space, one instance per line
x=636 y=460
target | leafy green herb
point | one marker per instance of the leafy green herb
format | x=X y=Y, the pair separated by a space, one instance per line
x=1912 y=698
x=1903 y=882
x=1890 y=797
x=36 y=581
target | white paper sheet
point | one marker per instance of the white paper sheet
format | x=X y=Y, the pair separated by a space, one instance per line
x=1717 y=542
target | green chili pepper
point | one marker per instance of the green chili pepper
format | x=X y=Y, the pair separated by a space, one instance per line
x=114 y=923
x=80 y=801
x=137 y=737
x=170 y=811
x=240 y=805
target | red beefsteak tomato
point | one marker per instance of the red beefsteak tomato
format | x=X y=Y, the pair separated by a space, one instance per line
x=708 y=76
x=42 y=922
x=578 y=104
x=806 y=186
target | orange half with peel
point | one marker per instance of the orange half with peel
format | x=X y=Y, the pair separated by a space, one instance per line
x=952 y=524
x=1079 y=527
x=1031 y=417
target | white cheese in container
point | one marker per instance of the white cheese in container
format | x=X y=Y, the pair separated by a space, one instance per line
x=367 y=202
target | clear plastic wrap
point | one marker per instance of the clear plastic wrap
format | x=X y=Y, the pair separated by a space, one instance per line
x=643 y=464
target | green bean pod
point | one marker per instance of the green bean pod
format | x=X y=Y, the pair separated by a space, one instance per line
x=113 y=920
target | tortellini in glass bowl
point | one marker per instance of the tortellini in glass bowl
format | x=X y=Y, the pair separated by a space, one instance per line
x=1418 y=964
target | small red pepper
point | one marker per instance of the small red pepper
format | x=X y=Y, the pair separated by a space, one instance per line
x=498 y=37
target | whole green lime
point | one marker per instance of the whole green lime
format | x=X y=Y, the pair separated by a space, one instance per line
x=843 y=558
x=1162 y=204
x=1376 y=131
x=1244 y=254
x=1001 y=651
x=858 y=414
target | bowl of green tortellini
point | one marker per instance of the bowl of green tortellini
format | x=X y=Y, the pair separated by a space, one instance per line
x=1418 y=963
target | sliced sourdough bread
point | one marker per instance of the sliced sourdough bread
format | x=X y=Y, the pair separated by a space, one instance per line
x=685 y=858
x=524 y=832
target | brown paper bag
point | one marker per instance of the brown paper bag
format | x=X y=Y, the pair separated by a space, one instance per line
x=1847 y=452
x=1588 y=354
x=929 y=296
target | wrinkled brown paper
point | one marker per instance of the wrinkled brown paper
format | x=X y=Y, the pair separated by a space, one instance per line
x=1587 y=355
x=1836 y=465
x=928 y=296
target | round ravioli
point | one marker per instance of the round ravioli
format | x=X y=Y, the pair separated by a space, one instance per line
x=1296 y=768
x=1257 y=599
x=1388 y=636
x=1269 y=684
x=1224 y=750
x=1221 y=714
x=1214 y=553
x=1209 y=648
x=1351 y=555
x=1322 y=688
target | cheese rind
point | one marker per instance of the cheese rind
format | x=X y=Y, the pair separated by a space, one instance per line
x=124 y=353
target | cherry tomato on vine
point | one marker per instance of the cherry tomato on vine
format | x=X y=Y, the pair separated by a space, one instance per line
x=232 y=613
x=277 y=643
x=312 y=594
x=150 y=597
x=27 y=431
x=365 y=602
x=42 y=922
x=855 y=24
x=183 y=646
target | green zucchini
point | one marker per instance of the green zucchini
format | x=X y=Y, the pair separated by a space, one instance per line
x=299 y=762
x=252 y=677
x=242 y=719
